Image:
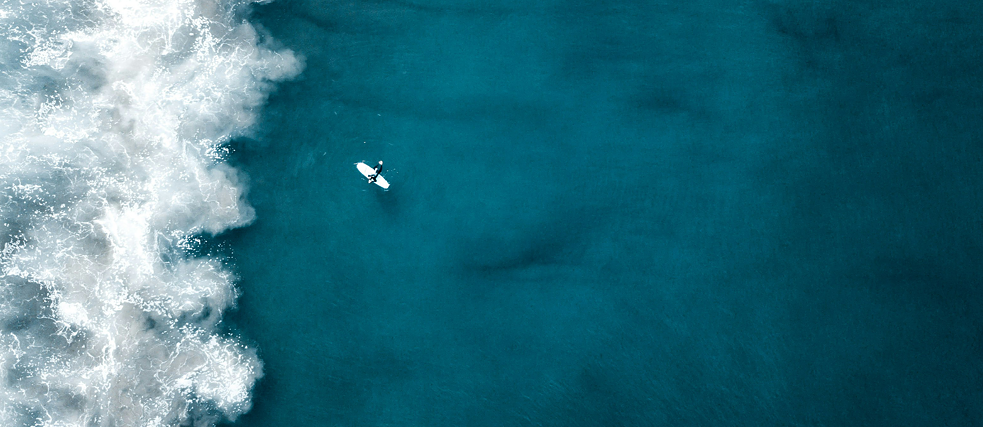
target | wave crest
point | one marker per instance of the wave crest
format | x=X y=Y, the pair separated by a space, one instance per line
x=115 y=115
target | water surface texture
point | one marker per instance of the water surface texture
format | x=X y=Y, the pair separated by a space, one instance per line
x=602 y=213
x=618 y=213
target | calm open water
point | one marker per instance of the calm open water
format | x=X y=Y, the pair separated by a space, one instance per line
x=618 y=213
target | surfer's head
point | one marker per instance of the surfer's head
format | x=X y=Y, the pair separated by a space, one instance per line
x=380 y=162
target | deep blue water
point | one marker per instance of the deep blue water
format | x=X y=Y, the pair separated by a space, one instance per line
x=618 y=213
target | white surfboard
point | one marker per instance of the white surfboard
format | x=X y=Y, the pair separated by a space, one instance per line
x=367 y=170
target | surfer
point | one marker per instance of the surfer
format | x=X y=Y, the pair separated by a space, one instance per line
x=378 y=170
x=374 y=174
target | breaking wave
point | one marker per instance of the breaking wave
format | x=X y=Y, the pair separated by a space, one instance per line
x=115 y=115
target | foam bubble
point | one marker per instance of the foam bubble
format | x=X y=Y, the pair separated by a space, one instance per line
x=113 y=120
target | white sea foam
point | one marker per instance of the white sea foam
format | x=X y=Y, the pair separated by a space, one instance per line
x=113 y=120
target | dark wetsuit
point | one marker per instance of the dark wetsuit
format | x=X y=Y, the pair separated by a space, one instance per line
x=378 y=170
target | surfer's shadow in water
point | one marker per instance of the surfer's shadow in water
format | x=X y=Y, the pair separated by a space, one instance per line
x=389 y=201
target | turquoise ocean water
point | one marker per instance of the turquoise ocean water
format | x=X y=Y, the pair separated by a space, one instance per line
x=618 y=213
x=602 y=213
